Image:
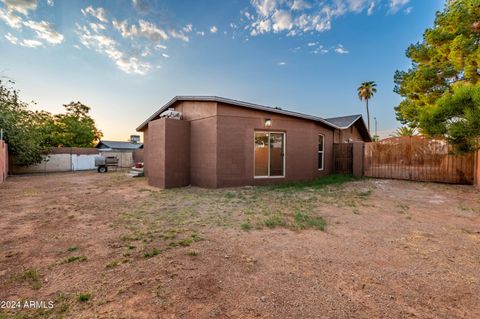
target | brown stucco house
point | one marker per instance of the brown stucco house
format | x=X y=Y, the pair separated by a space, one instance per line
x=218 y=142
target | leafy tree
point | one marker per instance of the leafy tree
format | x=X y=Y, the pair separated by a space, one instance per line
x=456 y=117
x=405 y=131
x=75 y=128
x=449 y=53
x=30 y=134
x=19 y=127
x=366 y=92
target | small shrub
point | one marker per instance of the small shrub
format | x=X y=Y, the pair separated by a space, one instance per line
x=84 y=296
x=192 y=253
x=246 y=226
x=153 y=253
x=72 y=248
x=304 y=221
x=75 y=258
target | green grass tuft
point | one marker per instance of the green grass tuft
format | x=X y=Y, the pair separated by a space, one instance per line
x=246 y=226
x=74 y=259
x=112 y=264
x=274 y=221
x=84 y=296
x=152 y=253
x=304 y=221
x=334 y=179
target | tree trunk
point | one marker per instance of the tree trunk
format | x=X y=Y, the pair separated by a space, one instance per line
x=368 y=117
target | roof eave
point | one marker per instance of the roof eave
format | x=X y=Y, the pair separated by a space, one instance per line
x=233 y=102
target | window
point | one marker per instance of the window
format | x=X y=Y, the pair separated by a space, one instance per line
x=269 y=154
x=321 y=157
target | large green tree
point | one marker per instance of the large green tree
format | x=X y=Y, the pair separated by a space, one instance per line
x=29 y=134
x=448 y=54
x=19 y=125
x=74 y=128
x=456 y=117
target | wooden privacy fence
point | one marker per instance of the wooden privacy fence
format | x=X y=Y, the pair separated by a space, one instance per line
x=343 y=158
x=419 y=159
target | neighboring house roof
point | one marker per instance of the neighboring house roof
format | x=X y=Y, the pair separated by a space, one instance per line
x=119 y=145
x=236 y=103
x=344 y=122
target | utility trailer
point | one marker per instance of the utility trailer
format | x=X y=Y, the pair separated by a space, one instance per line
x=103 y=163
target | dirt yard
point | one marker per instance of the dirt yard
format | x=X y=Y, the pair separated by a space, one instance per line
x=107 y=246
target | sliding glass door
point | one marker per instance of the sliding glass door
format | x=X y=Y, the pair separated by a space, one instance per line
x=269 y=154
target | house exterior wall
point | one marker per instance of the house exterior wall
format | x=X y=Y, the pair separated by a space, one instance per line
x=235 y=142
x=344 y=136
x=220 y=144
x=168 y=153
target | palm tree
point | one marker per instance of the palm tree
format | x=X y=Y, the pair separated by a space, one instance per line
x=366 y=92
x=405 y=131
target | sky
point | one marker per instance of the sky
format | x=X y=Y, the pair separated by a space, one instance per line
x=127 y=58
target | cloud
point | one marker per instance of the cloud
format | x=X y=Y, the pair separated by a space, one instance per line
x=11 y=38
x=125 y=30
x=312 y=44
x=178 y=35
x=370 y=8
x=21 y=6
x=188 y=28
x=341 y=50
x=213 y=29
x=107 y=46
x=12 y=20
x=144 y=29
x=45 y=31
x=282 y=63
x=31 y=43
x=281 y=21
x=50 y=3
x=165 y=55
x=201 y=33
x=97 y=27
x=396 y=5
x=98 y=13
x=151 y=31
x=408 y=10
x=296 y=17
x=300 y=5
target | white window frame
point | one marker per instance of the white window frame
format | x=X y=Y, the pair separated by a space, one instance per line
x=322 y=152
x=268 y=157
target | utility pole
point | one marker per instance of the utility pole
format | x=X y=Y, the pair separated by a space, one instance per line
x=375 y=118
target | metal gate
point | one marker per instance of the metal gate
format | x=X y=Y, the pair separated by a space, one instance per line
x=343 y=158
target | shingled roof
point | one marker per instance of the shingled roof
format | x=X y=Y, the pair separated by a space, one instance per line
x=344 y=122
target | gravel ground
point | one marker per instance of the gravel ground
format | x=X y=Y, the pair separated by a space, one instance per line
x=107 y=246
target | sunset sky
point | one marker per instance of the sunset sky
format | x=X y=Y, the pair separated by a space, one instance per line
x=125 y=59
